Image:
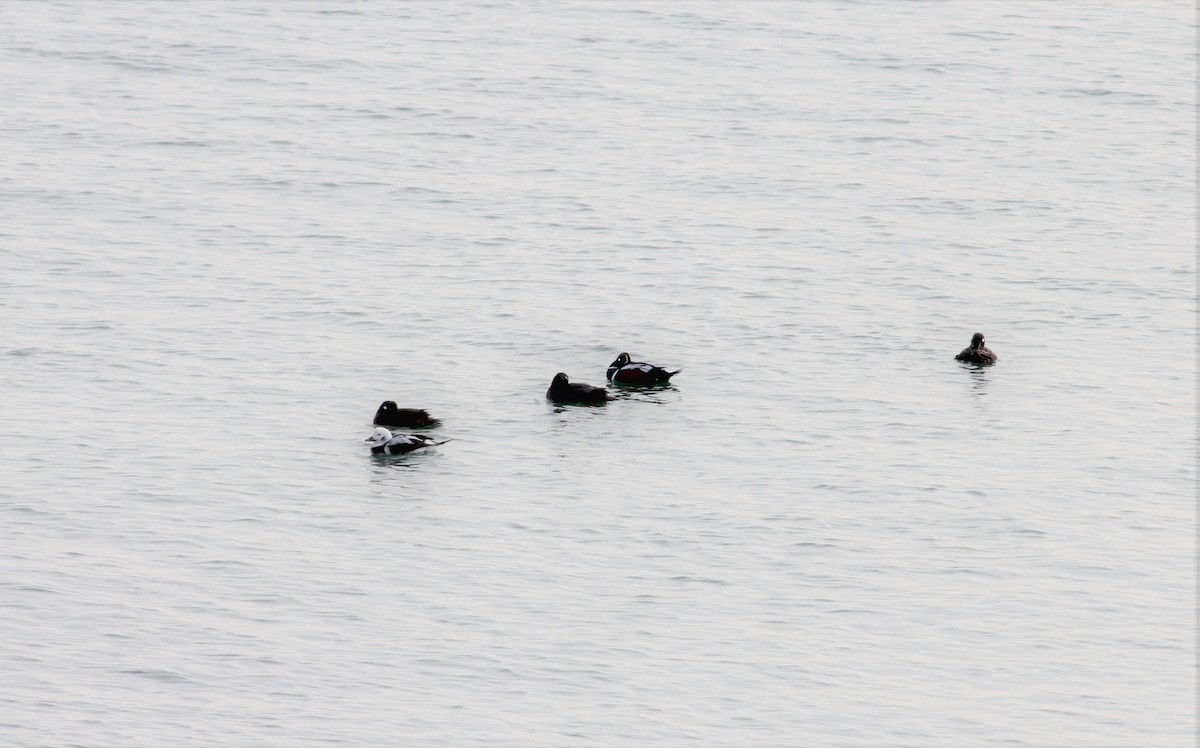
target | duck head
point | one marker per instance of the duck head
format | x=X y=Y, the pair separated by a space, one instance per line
x=379 y=437
x=977 y=340
x=622 y=360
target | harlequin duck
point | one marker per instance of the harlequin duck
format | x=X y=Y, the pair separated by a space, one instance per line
x=389 y=415
x=977 y=352
x=625 y=371
x=563 y=390
x=384 y=443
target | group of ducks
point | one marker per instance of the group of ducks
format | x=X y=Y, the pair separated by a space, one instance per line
x=623 y=370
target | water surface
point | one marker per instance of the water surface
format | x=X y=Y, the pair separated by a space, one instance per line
x=228 y=231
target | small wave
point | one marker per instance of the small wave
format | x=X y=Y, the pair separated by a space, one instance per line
x=179 y=143
x=702 y=580
x=164 y=676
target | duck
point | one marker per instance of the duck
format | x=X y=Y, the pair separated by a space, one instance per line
x=383 y=442
x=563 y=390
x=624 y=370
x=389 y=415
x=977 y=352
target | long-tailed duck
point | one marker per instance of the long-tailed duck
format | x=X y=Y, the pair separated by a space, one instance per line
x=383 y=442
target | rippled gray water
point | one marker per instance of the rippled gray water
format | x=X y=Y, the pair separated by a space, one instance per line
x=229 y=230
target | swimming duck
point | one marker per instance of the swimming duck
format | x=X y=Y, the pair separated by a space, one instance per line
x=977 y=352
x=384 y=443
x=626 y=371
x=389 y=415
x=562 y=390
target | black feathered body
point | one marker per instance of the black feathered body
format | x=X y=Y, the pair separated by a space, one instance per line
x=562 y=390
x=977 y=352
x=391 y=416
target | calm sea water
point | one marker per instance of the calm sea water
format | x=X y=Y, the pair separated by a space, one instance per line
x=229 y=230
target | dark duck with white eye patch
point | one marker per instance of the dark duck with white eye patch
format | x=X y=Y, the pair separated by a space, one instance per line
x=563 y=390
x=626 y=371
x=389 y=415
x=383 y=442
x=977 y=352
